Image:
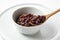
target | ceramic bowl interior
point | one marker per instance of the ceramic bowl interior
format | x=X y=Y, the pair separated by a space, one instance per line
x=24 y=10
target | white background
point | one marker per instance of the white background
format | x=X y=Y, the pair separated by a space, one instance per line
x=52 y=4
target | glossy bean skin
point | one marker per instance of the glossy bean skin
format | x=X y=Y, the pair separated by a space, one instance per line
x=30 y=20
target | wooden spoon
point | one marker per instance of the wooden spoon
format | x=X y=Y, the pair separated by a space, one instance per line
x=49 y=15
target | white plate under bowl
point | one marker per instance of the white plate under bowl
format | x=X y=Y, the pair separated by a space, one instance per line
x=47 y=32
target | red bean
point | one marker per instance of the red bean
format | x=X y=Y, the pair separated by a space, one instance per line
x=30 y=20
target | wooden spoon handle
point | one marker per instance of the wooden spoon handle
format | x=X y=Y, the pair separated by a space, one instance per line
x=49 y=15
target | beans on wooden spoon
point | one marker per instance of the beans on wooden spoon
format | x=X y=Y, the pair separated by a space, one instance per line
x=32 y=20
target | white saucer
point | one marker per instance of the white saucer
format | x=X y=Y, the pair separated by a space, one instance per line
x=48 y=32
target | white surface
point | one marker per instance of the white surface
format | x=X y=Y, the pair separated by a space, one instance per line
x=47 y=31
x=1 y=38
x=52 y=4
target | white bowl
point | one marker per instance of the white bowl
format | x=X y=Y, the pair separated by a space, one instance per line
x=23 y=10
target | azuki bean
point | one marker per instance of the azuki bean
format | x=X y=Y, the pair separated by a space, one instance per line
x=30 y=20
